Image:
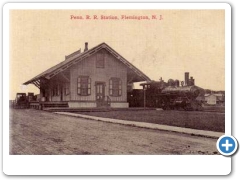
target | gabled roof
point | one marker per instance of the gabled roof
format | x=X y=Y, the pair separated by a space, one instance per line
x=77 y=57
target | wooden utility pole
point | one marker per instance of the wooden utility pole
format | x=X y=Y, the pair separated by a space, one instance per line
x=144 y=97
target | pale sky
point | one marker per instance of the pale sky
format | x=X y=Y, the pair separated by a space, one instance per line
x=183 y=41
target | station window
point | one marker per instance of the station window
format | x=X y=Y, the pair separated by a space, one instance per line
x=100 y=61
x=52 y=91
x=115 y=87
x=66 y=89
x=56 y=90
x=84 y=86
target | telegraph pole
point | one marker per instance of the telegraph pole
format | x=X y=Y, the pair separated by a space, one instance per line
x=144 y=96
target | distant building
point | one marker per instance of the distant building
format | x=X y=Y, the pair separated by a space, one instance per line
x=96 y=77
x=213 y=99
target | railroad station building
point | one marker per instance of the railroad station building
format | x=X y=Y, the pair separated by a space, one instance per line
x=97 y=77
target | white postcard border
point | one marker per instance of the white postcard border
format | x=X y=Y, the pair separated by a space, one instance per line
x=114 y=164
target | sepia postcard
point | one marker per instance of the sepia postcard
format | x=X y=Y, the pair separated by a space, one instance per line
x=148 y=83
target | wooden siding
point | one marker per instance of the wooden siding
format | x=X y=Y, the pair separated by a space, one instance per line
x=57 y=80
x=87 y=67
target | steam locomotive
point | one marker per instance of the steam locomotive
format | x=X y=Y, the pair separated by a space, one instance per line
x=171 y=95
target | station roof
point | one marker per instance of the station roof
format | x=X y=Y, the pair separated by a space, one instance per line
x=77 y=56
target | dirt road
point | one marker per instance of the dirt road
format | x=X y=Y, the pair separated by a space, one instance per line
x=39 y=132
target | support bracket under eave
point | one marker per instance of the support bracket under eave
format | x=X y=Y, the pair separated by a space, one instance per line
x=131 y=79
x=65 y=77
x=36 y=84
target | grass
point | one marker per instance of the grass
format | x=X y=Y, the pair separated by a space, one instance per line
x=215 y=108
x=210 y=121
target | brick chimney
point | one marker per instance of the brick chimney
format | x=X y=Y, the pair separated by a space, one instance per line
x=86 y=46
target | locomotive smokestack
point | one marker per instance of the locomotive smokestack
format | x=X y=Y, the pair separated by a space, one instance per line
x=186 y=78
x=86 y=46
x=192 y=81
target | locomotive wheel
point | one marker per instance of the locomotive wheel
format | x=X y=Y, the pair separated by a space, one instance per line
x=199 y=108
x=166 y=108
x=177 y=108
x=188 y=107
